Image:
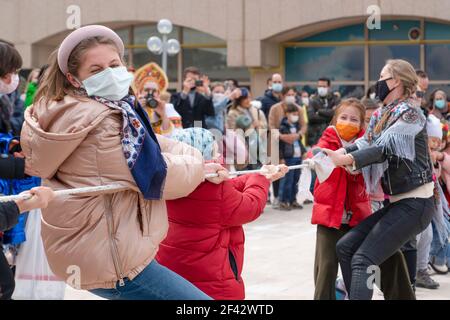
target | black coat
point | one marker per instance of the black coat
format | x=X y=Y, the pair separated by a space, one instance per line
x=320 y=114
x=10 y=168
x=202 y=107
x=287 y=149
x=9 y=215
x=11 y=113
x=267 y=101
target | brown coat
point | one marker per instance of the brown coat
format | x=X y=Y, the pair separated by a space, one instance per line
x=277 y=113
x=109 y=237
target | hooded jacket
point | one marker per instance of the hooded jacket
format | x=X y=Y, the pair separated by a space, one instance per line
x=341 y=192
x=103 y=238
x=205 y=243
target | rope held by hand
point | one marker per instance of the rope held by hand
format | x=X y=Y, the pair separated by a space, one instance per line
x=115 y=187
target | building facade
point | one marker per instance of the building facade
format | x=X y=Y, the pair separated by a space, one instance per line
x=251 y=39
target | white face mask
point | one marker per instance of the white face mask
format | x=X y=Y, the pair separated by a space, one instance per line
x=112 y=84
x=289 y=99
x=11 y=87
x=322 y=91
x=294 y=119
x=218 y=97
x=373 y=95
x=305 y=101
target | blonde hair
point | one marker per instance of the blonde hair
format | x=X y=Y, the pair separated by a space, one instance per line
x=400 y=70
x=54 y=85
x=165 y=96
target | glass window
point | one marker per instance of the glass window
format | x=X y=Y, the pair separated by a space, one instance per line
x=143 y=56
x=436 y=61
x=444 y=87
x=437 y=31
x=353 y=91
x=393 y=30
x=191 y=36
x=349 y=33
x=336 y=63
x=124 y=34
x=311 y=89
x=378 y=55
x=346 y=91
x=213 y=63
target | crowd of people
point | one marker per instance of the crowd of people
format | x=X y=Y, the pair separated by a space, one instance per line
x=86 y=120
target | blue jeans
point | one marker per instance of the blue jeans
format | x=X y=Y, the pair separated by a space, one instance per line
x=155 y=282
x=440 y=252
x=289 y=184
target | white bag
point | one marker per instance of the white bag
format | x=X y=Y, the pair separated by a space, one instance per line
x=323 y=167
x=34 y=278
x=304 y=184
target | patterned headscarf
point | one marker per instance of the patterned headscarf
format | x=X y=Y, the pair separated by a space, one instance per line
x=140 y=148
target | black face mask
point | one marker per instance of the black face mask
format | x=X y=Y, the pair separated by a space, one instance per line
x=382 y=89
x=420 y=94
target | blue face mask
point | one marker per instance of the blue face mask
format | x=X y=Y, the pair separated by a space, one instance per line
x=277 y=87
x=112 y=84
x=440 y=104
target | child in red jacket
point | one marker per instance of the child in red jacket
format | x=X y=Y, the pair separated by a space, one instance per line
x=341 y=201
x=205 y=241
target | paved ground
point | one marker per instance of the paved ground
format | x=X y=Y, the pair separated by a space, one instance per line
x=279 y=260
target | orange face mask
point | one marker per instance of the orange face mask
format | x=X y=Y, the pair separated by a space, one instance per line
x=347 y=131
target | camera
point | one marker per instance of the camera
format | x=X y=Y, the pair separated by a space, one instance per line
x=151 y=101
x=199 y=83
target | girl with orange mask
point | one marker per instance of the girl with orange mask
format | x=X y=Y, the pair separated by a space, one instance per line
x=340 y=203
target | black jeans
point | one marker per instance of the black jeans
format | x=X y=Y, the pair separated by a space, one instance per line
x=377 y=238
x=7 y=283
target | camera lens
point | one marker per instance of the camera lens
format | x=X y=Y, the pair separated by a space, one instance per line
x=151 y=102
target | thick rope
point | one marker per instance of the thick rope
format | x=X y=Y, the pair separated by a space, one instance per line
x=114 y=188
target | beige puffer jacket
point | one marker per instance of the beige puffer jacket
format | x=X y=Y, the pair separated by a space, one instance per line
x=106 y=237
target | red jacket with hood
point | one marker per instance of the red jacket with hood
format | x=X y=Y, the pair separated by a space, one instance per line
x=205 y=241
x=341 y=191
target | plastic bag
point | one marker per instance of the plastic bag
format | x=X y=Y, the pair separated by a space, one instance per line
x=304 y=184
x=34 y=278
x=323 y=167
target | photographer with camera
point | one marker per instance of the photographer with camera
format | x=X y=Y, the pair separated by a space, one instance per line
x=194 y=103
x=156 y=109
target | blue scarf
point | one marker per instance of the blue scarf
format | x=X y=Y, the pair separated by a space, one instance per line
x=140 y=147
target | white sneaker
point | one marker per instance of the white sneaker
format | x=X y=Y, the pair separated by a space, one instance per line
x=275 y=202
x=439 y=269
